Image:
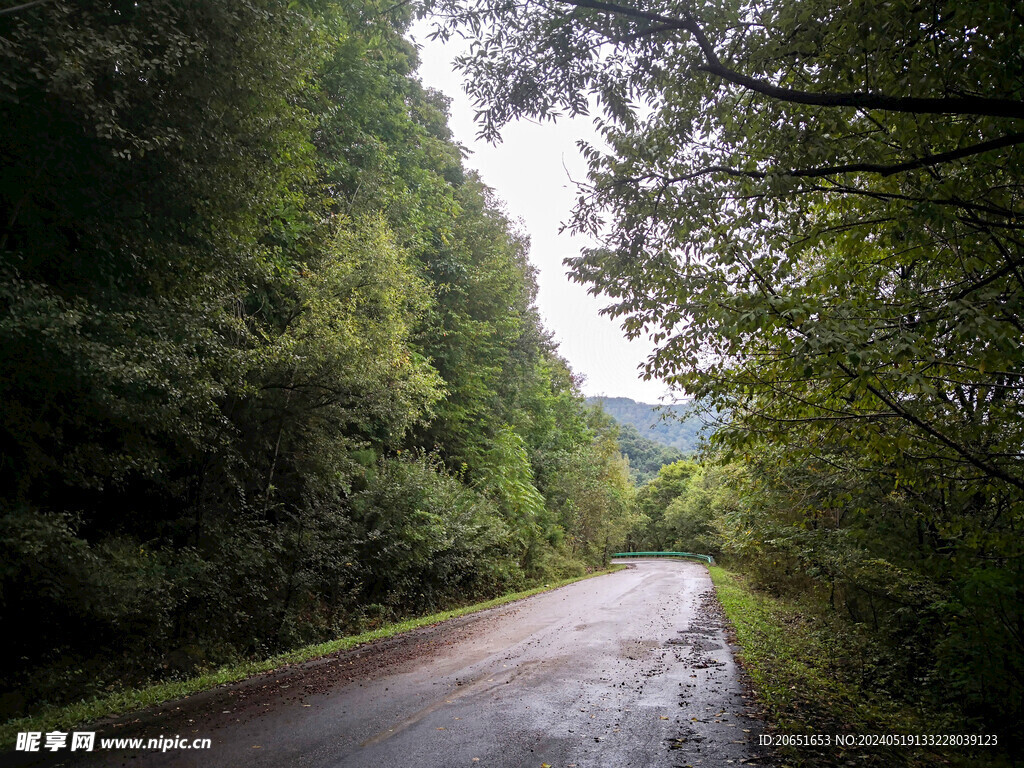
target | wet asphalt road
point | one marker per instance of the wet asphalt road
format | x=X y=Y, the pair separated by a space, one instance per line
x=628 y=669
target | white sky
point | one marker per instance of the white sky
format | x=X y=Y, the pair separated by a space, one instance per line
x=530 y=170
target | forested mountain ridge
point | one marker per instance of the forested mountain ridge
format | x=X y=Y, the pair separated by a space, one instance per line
x=673 y=425
x=269 y=359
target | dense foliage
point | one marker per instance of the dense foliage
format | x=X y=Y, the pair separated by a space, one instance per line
x=815 y=209
x=269 y=362
x=645 y=456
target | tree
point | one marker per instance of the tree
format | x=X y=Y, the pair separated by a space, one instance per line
x=697 y=517
x=593 y=493
x=795 y=184
x=269 y=361
x=655 y=498
x=815 y=211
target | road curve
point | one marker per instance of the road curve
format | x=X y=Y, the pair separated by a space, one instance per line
x=628 y=669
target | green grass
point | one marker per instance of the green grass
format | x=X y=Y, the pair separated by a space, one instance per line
x=794 y=661
x=129 y=700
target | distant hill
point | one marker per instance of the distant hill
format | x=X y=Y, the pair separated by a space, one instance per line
x=646 y=456
x=651 y=423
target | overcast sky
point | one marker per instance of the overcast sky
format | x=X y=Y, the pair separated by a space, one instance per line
x=532 y=171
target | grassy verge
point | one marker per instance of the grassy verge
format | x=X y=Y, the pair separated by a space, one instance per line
x=791 y=659
x=138 y=698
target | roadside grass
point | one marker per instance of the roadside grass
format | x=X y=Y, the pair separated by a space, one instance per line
x=129 y=700
x=791 y=659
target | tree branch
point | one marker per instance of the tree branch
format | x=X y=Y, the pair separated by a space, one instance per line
x=965 y=105
x=22 y=7
x=845 y=189
x=992 y=470
x=989 y=469
x=882 y=170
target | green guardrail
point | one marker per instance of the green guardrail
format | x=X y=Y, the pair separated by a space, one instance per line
x=706 y=558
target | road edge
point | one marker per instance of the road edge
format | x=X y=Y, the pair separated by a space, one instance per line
x=135 y=699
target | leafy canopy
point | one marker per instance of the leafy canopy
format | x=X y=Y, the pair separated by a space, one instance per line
x=813 y=210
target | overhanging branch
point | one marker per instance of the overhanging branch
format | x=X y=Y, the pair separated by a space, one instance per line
x=22 y=7
x=874 y=168
x=964 y=105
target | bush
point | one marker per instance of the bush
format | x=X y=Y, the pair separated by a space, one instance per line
x=424 y=539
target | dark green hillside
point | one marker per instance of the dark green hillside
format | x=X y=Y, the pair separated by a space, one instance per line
x=645 y=456
x=673 y=425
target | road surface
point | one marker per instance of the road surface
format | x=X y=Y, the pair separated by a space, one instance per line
x=628 y=669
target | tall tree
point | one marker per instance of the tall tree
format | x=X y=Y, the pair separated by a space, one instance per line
x=814 y=210
x=796 y=184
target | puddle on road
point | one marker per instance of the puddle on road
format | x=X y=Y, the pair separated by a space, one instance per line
x=635 y=650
